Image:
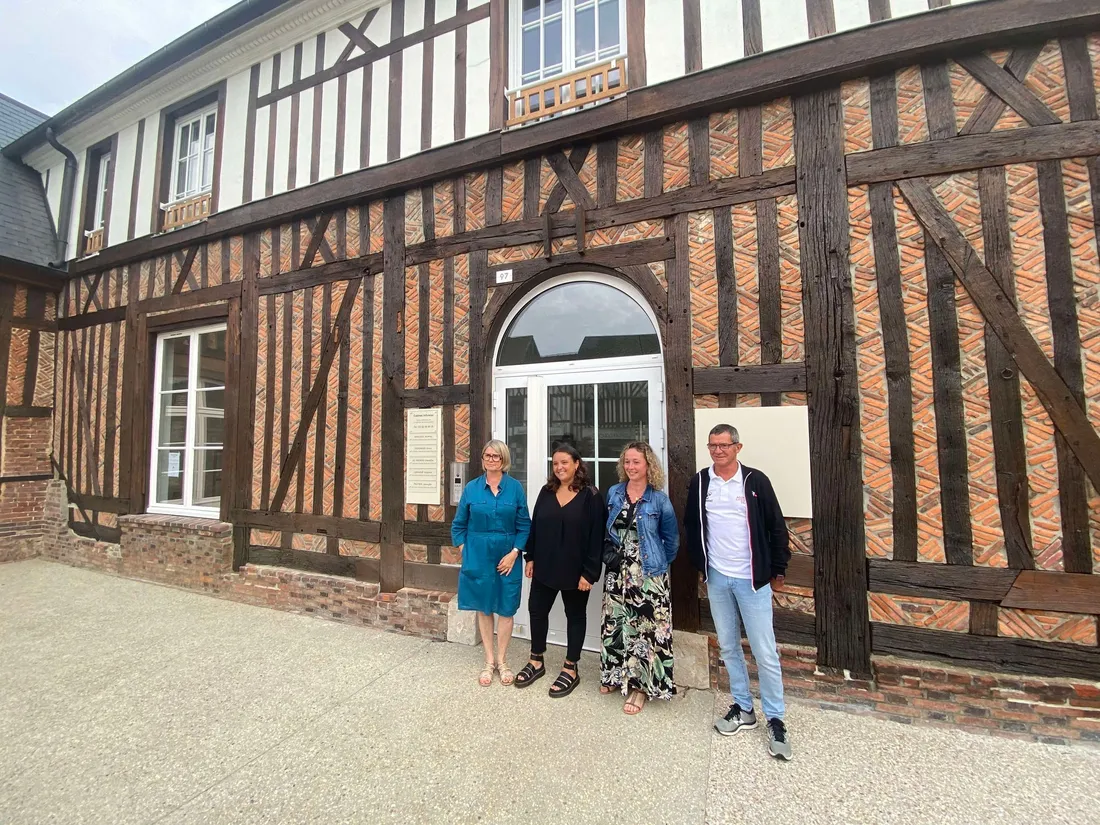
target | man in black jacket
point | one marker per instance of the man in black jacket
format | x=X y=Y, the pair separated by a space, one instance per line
x=737 y=538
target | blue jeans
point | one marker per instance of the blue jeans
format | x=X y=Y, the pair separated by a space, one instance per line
x=732 y=601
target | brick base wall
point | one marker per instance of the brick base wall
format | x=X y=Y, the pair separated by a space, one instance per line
x=1055 y=711
x=23 y=520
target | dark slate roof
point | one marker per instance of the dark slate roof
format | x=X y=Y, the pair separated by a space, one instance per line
x=16 y=119
x=26 y=228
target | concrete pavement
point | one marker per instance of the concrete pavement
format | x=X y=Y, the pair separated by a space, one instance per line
x=127 y=702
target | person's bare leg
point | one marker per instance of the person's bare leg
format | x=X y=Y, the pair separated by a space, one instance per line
x=485 y=627
x=504 y=636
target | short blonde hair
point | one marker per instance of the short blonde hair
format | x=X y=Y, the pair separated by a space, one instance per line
x=655 y=475
x=498 y=446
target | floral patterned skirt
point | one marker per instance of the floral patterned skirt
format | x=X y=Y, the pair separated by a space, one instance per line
x=636 y=635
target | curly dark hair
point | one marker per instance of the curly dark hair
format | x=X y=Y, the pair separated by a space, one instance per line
x=580 y=478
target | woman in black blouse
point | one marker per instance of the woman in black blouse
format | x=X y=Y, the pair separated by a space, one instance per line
x=563 y=555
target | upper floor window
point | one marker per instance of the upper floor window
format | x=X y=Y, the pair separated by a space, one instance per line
x=194 y=161
x=102 y=177
x=188 y=423
x=565 y=54
x=96 y=205
x=559 y=36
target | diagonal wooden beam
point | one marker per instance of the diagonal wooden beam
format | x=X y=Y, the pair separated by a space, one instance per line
x=356 y=37
x=989 y=111
x=1009 y=89
x=93 y=287
x=1001 y=315
x=319 y=230
x=185 y=270
x=319 y=388
x=82 y=410
x=568 y=180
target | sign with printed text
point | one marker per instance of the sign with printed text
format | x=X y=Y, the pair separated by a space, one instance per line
x=424 y=456
x=777 y=442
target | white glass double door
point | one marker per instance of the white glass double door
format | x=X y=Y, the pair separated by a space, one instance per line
x=599 y=410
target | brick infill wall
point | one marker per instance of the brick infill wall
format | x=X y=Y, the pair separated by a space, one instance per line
x=1054 y=711
x=22 y=519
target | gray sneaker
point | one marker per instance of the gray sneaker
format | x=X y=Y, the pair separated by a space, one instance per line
x=778 y=746
x=737 y=719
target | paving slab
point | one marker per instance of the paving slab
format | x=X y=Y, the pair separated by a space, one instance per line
x=125 y=702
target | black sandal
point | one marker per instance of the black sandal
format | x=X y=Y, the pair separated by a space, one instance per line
x=529 y=674
x=565 y=683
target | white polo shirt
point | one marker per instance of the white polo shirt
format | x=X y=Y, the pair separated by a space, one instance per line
x=728 y=548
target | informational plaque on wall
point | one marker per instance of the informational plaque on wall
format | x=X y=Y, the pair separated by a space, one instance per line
x=424 y=456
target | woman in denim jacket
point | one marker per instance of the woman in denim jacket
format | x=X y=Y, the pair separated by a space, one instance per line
x=643 y=536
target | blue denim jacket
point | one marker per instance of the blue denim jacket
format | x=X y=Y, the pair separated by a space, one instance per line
x=658 y=529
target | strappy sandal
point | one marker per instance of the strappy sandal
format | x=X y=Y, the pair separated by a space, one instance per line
x=485 y=678
x=529 y=674
x=507 y=677
x=633 y=707
x=606 y=690
x=565 y=683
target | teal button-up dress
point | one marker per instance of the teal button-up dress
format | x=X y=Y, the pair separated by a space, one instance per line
x=488 y=527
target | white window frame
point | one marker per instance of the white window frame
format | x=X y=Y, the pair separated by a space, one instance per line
x=569 y=60
x=200 y=158
x=102 y=178
x=185 y=509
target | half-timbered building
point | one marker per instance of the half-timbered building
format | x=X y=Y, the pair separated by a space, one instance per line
x=298 y=225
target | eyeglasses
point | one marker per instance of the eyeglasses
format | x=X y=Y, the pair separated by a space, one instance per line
x=491 y=457
x=721 y=448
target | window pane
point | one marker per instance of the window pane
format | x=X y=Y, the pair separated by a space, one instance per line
x=570 y=417
x=170 y=465
x=609 y=25
x=173 y=420
x=192 y=175
x=578 y=321
x=210 y=418
x=185 y=141
x=212 y=359
x=211 y=121
x=550 y=8
x=181 y=177
x=208 y=478
x=586 y=34
x=624 y=415
x=176 y=356
x=607 y=475
x=551 y=55
x=530 y=11
x=515 y=428
x=193 y=149
x=530 y=46
x=207 y=169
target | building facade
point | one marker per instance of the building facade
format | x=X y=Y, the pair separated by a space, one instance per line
x=587 y=221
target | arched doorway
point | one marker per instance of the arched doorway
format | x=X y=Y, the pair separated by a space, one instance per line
x=579 y=360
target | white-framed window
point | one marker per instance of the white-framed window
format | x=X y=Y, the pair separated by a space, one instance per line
x=188 y=423
x=193 y=171
x=103 y=175
x=554 y=37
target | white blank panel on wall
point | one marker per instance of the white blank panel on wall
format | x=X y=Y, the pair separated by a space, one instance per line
x=851 y=14
x=664 y=40
x=783 y=23
x=723 y=31
x=777 y=442
x=901 y=8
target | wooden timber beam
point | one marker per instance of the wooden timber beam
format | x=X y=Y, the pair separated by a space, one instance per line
x=831 y=60
x=999 y=312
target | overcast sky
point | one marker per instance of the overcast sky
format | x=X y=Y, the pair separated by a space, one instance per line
x=53 y=52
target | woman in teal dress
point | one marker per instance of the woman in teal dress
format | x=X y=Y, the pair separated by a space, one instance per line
x=491 y=526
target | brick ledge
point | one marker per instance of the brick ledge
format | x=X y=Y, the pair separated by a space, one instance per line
x=203 y=526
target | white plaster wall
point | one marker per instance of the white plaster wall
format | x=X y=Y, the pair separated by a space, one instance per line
x=783 y=23
x=146 y=184
x=477 y=78
x=664 y=40
x=443 y=91
x=379 y=111
x=231 y=185
x=851 y=14
x=412 y=98
x=723 y=31
x=263 y=129
x=901 y=8
x=123 y=190
x=414 y=16
x=353 y=122
x=282 y=124
x=330 y=104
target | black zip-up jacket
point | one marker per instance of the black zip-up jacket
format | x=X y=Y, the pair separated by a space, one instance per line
x=768 y=539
